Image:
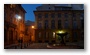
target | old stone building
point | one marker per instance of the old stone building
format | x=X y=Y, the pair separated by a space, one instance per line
x=14 y=23
x=29 y=31
x=51 y=19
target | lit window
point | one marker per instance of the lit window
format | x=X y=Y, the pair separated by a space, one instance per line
x=53 y=34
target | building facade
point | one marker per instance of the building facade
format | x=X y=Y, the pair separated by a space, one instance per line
x=51 y=19
x=14 y=23
x=29 y=31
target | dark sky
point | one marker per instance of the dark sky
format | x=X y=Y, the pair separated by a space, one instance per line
x=29 y=8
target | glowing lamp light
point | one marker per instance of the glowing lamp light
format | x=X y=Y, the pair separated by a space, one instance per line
x=61 y=32
x=33 y=27
x=18 y=17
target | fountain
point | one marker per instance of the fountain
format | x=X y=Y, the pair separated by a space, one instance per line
x=62 y=34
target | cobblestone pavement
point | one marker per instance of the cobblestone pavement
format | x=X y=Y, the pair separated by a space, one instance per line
x=46 y=46
x=37 y=46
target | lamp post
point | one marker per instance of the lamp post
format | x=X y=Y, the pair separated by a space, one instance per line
x=62 y=34
x=33 y=27
x=18 y=17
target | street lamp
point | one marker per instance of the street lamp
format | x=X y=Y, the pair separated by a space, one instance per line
x=33 y=27
x=62 y=34
x=18 y=17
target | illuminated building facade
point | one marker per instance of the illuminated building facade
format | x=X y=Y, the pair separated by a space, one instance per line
x=51 y=19
x=29 y=31
x=14 y=23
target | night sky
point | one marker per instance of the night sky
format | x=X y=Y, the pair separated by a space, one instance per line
x=29 y=8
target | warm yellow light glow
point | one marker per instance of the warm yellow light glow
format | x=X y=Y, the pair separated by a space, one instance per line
x=33 y=27
x=53 y=34
x=60 y=31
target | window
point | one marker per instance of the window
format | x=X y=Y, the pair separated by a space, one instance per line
x=46 y=35
x=39 y=35
x=66 y=15
x=74 y=24
x=59 y=15
x=59 y=24
x=46 y=15
x=53 y=34
x=66 y=24
x=82 y=16
x=52 y=15
x=39 y=25
x=46 y=24
x=39 y=15
x=53 y=24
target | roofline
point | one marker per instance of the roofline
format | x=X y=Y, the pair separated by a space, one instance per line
x=57 y=10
